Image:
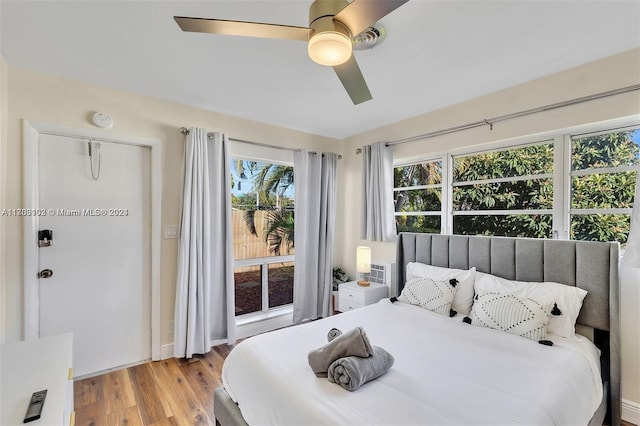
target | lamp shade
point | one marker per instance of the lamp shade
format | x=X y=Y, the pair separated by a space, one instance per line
x=330 y=48
x=363 y=259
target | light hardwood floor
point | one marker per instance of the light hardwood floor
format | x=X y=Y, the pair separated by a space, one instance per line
x=161 y=393
x=169 y=392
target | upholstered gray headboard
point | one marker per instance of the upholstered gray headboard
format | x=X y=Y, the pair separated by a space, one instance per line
x=592 y=266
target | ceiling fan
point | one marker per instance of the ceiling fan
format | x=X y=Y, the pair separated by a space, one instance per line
x=332 y=26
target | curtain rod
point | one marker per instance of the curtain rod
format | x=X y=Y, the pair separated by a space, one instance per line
x=490 y=121
x=185 y=132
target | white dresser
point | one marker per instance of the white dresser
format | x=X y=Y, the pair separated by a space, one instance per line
x=35 y=365
x=352 y=296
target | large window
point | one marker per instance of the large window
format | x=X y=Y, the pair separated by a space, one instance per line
x=580 y=187
x=603 y=181
x=263 y=228
x=417 y=196
x=506 y=192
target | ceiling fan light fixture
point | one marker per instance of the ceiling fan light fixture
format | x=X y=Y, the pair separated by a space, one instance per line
x=332 y=23
x=330 y=48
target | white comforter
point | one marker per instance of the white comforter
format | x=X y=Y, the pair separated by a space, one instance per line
x=445 y=373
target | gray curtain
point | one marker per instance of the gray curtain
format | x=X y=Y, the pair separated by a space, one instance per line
x=204 y=309
x=315 y=199
x=378 y=221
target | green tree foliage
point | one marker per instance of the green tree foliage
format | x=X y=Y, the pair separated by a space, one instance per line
x=416 y=200
x=268 y=180
x=427 y=224
x=603 y=190
x=269 y=183
x=280 y=231
x=530 y=194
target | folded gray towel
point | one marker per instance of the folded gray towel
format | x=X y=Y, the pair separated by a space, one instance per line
x=353 y=342
x=352 y=372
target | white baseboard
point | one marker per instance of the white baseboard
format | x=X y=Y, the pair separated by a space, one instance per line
x=166 y=351
x=631 y=411
x=109 y=370
x=244 y=330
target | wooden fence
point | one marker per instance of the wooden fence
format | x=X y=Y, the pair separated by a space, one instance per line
x=245 y=244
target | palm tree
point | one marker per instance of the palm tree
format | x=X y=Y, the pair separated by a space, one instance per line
x=280 y=231
x=273 y=179
x=428 y=173
x=268 y=180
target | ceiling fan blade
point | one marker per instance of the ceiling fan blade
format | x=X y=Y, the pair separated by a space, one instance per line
x=360 y=14
x=351 y=77
x=242 y=28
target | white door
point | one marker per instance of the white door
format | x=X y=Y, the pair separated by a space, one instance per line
x=100 y=253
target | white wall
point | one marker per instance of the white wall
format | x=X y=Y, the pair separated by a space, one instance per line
x=611 y=73
x=3 y=180
x=44 y=98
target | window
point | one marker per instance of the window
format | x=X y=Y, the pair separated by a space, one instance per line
x=603 y=180
x=417 y=196
x=263 y=228
x=508 y=192
x=580 y=187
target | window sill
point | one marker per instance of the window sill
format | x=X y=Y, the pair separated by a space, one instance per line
x=261 y=316
x=262 y=322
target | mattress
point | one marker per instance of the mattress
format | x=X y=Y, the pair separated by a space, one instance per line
x=445 y=373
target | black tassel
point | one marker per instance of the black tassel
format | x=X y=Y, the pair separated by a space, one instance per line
x=453 y=282
x=452 y=313
x=556 y=311
x=466 y=320
x=546 y=342
x=393 y=299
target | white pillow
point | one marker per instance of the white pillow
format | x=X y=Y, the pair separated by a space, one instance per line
x=430 y=294
x=463 y=300
x=568 y=299
x=516 y=315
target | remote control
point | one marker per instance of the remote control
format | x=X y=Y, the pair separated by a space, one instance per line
x=35 y=406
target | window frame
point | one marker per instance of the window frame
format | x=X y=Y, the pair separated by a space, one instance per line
x=506 y=146
x=271 y=156
x=264 y=262
x=570 y=173
x=561 y=140
x=443 y=160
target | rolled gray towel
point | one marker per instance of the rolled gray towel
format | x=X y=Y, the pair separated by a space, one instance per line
x=352 y=372
x=353 y=342
x=333 y=333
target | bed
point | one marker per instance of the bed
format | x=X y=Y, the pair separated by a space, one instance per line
x=446 y=371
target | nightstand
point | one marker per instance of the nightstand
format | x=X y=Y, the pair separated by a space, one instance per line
x=352 y=296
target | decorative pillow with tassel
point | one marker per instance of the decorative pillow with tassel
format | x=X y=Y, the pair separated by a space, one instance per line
x=430 y=294
x=516 y=315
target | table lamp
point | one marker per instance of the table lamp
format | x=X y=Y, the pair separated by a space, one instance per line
x=363 y=264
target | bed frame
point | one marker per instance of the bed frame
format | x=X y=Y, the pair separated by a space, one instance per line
x=592 y=266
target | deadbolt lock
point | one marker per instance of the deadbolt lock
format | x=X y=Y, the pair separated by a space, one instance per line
x=45 y=273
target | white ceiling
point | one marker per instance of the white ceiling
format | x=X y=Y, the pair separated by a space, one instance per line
x=437 y=53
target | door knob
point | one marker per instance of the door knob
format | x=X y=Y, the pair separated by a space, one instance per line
x=45 y=273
